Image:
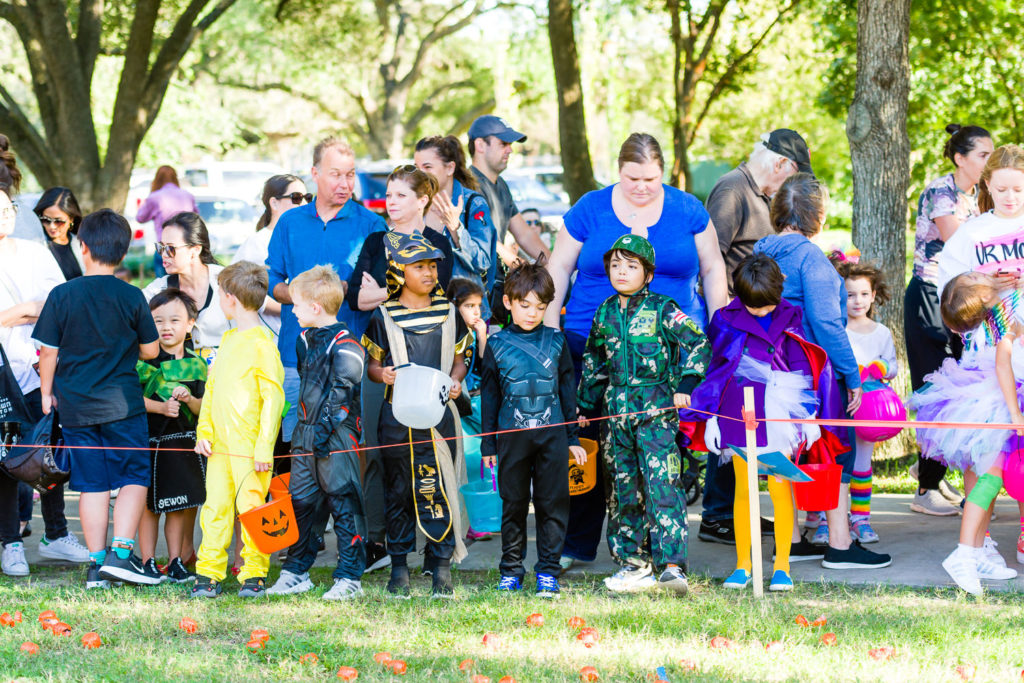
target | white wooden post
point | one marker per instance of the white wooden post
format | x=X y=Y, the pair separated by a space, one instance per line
x=754 y=500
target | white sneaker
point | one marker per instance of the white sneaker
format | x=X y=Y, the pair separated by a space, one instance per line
x=991 y=552
x=987 y=569
x=931 y=502
x=14 y=562
x=291 y=584
x=66 y=548
x=963 y=569
x=344 y=589
x=631 y=578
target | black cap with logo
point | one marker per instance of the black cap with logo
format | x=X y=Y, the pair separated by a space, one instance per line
x=789 y=144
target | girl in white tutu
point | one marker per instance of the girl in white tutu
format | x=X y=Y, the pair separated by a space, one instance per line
x=985 y=387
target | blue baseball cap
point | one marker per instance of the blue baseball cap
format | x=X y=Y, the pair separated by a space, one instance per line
x=496 y=126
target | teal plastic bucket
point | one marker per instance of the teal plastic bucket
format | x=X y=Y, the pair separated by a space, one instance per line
x=483 y=504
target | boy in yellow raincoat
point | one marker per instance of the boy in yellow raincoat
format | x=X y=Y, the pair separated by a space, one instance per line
x=237 y=428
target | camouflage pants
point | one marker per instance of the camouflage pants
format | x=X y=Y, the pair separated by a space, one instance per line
x=647 y=505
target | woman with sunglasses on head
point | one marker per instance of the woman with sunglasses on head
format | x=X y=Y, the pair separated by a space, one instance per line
x=191 y=267
x=280 y=193
x=60 y=217
x=165 y=199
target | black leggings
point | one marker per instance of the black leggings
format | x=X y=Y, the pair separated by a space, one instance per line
x=929 y=342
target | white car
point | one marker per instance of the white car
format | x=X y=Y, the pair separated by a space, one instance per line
x=229 y=220
x=242 y=179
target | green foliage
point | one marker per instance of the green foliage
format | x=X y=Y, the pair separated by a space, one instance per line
x=967 y=66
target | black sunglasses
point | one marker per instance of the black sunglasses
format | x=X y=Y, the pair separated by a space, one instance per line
x=59 y=222
x=297 y=197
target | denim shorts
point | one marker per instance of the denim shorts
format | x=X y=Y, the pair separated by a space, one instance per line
x=117 y=455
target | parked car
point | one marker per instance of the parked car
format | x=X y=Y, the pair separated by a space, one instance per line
x=530 y=193
x=242 y=179
x=229 y=220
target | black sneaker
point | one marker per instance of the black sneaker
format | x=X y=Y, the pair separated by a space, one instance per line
x=376 y=557
x=717 y=531
x=442 y=587
x=152 y=571
x=398 y=584
x=129 y=570
x=429 y=564
x=767 y=526
x=27 y=531
x=206 y=588
x=854 y=557
x=321 y=544
x=93 y=579
x=804 y=550
x=253 y=588
x=177 y=573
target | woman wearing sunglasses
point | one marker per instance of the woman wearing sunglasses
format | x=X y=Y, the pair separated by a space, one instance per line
x=280 y=193
x=60 y=217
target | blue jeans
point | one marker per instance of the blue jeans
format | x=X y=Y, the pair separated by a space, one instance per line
x=719 y=490
x=291 y=394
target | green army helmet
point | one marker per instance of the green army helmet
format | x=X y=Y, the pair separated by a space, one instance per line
x=633 y=244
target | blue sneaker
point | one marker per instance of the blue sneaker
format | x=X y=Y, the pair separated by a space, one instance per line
x=781 y=581
x=510 y=584
x=738 y=580
x=547 y=586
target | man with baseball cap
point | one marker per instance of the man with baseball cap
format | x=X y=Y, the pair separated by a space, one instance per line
x=490 y=145
x=739 y=208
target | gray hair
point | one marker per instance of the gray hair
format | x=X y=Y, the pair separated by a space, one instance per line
x=762 y=158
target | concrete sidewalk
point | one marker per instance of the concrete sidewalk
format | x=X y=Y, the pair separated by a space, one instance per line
x=918 y=544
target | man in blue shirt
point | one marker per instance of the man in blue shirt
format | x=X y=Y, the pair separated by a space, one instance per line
x=328 y=231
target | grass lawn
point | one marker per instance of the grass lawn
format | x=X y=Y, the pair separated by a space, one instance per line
x=933 y=632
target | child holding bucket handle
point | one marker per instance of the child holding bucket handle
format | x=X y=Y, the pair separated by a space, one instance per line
x=173 y=385
x=757 y=341
x=528 y=386
x=237 y=428
x=643 y=354
x=468 y=298
x=985 y=386
x=875 y=352
x=422 y=467
x=325 y=467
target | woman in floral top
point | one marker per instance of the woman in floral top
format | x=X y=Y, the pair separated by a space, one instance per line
x=945 y=204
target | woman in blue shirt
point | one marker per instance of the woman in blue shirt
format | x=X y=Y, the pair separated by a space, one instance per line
x=679 y=229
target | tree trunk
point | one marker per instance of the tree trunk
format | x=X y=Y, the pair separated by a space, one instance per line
x=577 y=169
x=880 y=154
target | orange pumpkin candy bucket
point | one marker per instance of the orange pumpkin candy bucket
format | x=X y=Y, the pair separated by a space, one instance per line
x=271 y=526
x=583 y=479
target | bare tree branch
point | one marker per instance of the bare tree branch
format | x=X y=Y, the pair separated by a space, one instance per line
x=27 y=140
x=87 y=38
x=726 y=78
x=427 y=106
x=462 y=123
x=437 y=32
x=321 y=105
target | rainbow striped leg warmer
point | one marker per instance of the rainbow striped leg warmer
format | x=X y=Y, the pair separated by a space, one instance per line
x=860 y=495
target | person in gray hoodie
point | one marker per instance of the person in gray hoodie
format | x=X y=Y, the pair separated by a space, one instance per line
x=812 y=284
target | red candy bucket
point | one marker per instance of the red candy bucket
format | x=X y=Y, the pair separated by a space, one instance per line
x=822 y=493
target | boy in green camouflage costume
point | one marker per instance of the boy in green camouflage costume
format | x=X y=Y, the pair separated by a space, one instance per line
x=643 y=354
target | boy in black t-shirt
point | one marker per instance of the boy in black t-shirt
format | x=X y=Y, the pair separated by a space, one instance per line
x=416 y=324
x=92 y=330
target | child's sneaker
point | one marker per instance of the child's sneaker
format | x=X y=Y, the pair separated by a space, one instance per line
x=862 y=531
x=14 y=562
x=673 y=579
x=738 y=580
x=989 y=569
x=547 y=586
x=376 y=557
x=813 y=519
x=344 y=589
x=152 y=571
x=129 y=570
x=803 y=550
x=441 y=586
x=781 y=581
x=631 y=578
x=963 y=569
x=206 y=588
x=93 y=581
x=176 y=572
x=821 y=535
x=291 y=584
x=1020 y=548
x=66 y=548
x=398 y=584
x=510 y=584
x=253 y=588
x=566 y=562
x=478 y=535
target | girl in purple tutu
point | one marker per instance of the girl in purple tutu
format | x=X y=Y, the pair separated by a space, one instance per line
x=985 y=387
